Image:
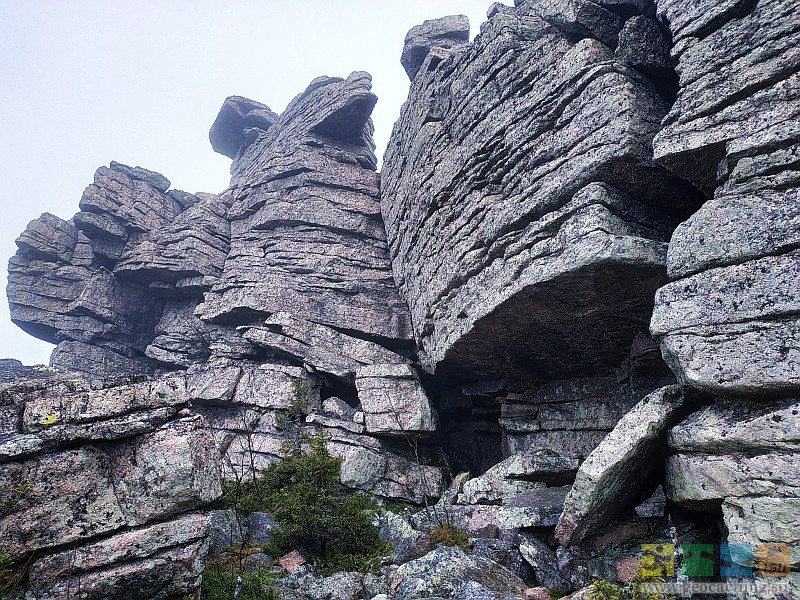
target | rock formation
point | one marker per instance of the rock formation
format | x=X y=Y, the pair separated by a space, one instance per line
x=563 y=318
x=105 y=485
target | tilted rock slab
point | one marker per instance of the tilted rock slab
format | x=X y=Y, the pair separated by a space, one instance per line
x=615 y=472
x=525 y=215
x=729 y=324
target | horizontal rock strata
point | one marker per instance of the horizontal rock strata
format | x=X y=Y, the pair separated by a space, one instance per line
x=104 y=484
x=729 y=322
x=307 y=235
x=522 y=163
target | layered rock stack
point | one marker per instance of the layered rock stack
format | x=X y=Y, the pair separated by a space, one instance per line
x=103 y=487
x=587 y=187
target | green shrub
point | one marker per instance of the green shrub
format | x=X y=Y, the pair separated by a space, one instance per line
x=220 y=584
x=447 y=535
x=299 y=400
x=315 y=513
x=7 y=576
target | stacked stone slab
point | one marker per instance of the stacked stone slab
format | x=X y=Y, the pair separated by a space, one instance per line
x=523 y=163
x=256 y=411
x=306 y=229
x=102 y=486
x=728 y=322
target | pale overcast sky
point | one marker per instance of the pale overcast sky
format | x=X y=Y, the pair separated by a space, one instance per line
x=85 y=82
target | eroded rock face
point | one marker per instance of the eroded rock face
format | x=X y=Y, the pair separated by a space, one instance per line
x=115 y=473
x=728 y=322
x=307 y=235
x=523 y=163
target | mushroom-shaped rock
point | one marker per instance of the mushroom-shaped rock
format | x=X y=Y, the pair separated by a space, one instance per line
x=238 y=114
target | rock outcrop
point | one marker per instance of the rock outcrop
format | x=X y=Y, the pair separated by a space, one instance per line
x=728 y=321
x=101 y=486
x=306 y=229
x=522 y=162
x=563 y=320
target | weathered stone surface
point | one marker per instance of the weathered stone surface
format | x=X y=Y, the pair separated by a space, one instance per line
x=445 y=570
x=728 y=324
x=574 y=444
x=306 y=230
x=442 y=34
x=324 y=348
x=60 y=509
x=704 y=481
x=194 y=244
x=735 y=426
x=169 y=471
x=238 y=114
x=161 y=561
x=181 y=338
x=738 y=71
x=393 y=400
x=62 y=285
x=543 y=560
x=518 y=474
x=614 y=553
x=277 y=386
x=226 y=530
x=540 y=508
x=302 y=584
x=78 y=357
x=614 y=474
x=555 y=210
x=385 y=473
x=399 y=532
x=654 y=506
x=504 y=553
x=47 y=411
x=733 y=330
x=745 y=226
x=641 y=44
x=761 y=520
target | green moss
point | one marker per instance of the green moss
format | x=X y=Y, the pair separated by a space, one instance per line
x=603 y=590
